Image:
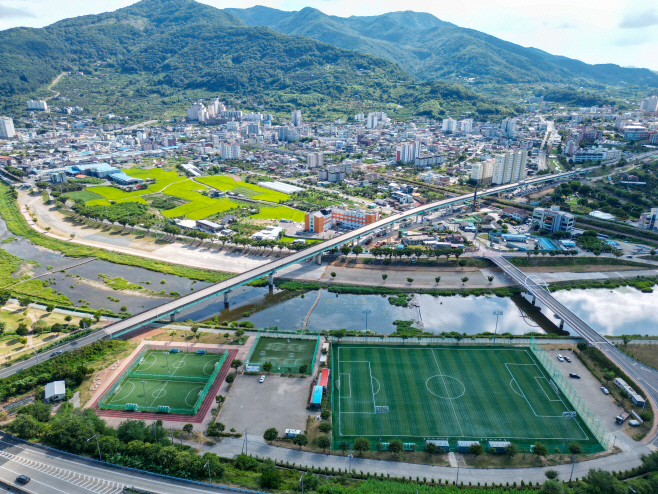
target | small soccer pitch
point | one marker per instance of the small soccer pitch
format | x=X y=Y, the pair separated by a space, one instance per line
x=164 y=379
x=417 y=393
x=277 y=351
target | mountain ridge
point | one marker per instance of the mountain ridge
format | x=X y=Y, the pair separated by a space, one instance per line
x=429 y=48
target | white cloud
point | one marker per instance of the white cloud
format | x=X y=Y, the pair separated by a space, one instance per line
x=639 y=19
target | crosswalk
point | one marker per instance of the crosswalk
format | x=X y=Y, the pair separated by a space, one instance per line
x=92 y=484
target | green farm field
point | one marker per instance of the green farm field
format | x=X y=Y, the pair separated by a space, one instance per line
x=249 y=190
x=454 y=393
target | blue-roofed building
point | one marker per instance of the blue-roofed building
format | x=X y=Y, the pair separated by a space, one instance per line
x=316 y=397
x=123 y=179
x=99 y=170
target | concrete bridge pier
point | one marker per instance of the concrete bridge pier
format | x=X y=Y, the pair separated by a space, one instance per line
x=172 y=317
x=226 y=299
x=318 y=259
x=270 y=280
x=561 y=323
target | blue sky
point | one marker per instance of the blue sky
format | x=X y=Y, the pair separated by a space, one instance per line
x=594 y=31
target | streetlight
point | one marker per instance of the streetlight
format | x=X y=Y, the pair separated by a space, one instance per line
x=209 y=477
x=366 y=312
x=167 y=358
x=144 y=389
x=97 y=444
x=497 y=313
x=459 y=459
x=567 y=416
x=380 y=410
x=291 y=355
x=573 y=464
x=37 y=355
x=628 y=487
x=301 y=479
x=349 y=457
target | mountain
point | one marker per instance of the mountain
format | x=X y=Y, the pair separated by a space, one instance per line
x=429 y=48
x=161 y=48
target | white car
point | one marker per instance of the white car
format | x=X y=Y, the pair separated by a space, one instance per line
x=604 y=390
x=262 y=379
x=560 y=357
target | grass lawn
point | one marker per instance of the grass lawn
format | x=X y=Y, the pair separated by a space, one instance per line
x=460 y=393
x=85 y=195
x=182 y=336
x=249 y=190
x=279 y=213
x=309 y=241
x=277 y=351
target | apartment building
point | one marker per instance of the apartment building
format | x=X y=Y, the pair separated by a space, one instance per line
x=552 y=220
x=314 y=160
x=230 y=151
x=325 y=219
x=510 y=167
x=296 y=117
x=449 y=126
x=7 y=128
x=407 y=152
x=649 y=104
x=37 y=105
x=482 y=172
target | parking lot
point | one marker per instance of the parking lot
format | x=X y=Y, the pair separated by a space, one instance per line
x=279 y=402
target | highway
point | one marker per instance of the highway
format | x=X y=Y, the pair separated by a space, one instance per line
x=171 y=308
x=57 y=472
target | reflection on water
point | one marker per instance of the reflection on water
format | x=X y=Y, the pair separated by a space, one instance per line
x=623 y=310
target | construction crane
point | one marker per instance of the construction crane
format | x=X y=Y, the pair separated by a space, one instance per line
x=52 y=122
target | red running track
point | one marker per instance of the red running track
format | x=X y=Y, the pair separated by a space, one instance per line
x=173 y=417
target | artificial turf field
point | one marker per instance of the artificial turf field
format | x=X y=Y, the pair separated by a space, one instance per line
x=278 y=350
x=464 y=393
x=162 y=390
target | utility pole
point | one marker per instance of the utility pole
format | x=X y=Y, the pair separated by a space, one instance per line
x=497 y=313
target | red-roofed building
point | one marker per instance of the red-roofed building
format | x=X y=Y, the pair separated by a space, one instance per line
x=324 y=378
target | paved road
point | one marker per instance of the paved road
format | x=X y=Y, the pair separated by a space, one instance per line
x=56 y=472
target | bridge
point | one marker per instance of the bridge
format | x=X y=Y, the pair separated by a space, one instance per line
x=314 y=252
x=645 y=377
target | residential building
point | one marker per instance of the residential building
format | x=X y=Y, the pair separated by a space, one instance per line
x=649 y=221
x=402 y=197
x=314 y=160
x=372 y=121
x=429 y=160
x=325 y=219
x=296 y=118
x=510 y=167
x=649 y=104
x=407 y=152
x=230 y=151
x=636 y=133
x=596 y=154
x=516 y=214
x=37 y=105
x=466 y=126
x=449 y=125
x=482 y=172
x=508 y=125
x=7 y=128
x=552 y=220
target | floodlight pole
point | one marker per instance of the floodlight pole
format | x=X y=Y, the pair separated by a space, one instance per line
x=349 y=457
x=573 y=464
x=459 y=459
x=144 y=389
x=291 y=355
x=380 y=410
x=567 y=416
x=97 y=444
x=167 y=357
x=497 y=313
x=366 y=312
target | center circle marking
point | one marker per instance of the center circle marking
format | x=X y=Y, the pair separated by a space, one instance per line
x=441 y=385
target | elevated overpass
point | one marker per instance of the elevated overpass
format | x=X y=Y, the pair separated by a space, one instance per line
x=314 y=252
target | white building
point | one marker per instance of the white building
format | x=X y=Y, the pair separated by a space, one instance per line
x=449 y=126
x=481 y=172
x=7 y=128
x=508 y=125
x=314 y=160
x=296 y=118
x=37 y=105
x=466 y=126
x=359 y=117
x=510 y=167
x=230 y=151
x=372 y=121
x=407 y=152
x=197 y=112
x=552 y=220
x=55 y=391
x=649 y=104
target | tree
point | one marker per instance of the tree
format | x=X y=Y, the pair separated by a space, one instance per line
x=431 y=448
x=230 y=378
x=333 y=274
x=22 y=330
x=464 y=279
x=437 y=279
x=325 y=427
x=652 y=252
x=582 y=346
x=384 y=276
x=395 y=446
x=235 y=364
x=270 y=434
x=270 y=478
x=608 y=376
x=325 y=414
x=490 y=278
x=267 y=366
x=357 y=249
x=476 y=449
x=3 y=327
x=5 y=295
x=300 y=440
x=25 y=426
x=188 y=428
x=462 y=263
x=50 y=307
x=361 y=445
x=552 y=487
x=511 y=450
x=345 y=250
x=410 y=280
x=344 y=446
x=324 y=442
x=303 y=368
x=540 y=450
x=626 y=338
x=22 y=341
x=575 y=449
x=551 y=474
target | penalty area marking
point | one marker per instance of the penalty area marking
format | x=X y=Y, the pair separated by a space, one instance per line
x=212 y=369
x=190 y=392
x=378 y=385
x=121 y=388
x=154 y=361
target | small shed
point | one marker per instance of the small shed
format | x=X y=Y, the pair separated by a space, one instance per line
x=292 y=432
x=439 y=443
x=55 y=391
x=462 y=446
x=324 y=378
x=497 y=446
x=316 y=397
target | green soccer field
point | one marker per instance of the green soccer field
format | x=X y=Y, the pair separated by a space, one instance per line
x=278 y=350
x=465 y=393
x=169 y=379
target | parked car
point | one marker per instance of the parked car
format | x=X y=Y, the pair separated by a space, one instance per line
x=634 y=423
x=567 y=359
x=22 y=479
x=262 y=379
x=560 y=357
x=605 y=390
x=574 y=375
x=55 y=353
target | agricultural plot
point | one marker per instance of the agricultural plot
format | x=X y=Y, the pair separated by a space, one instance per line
x=280 y=213
x=463 y=393
x=164 y=379
x=84 y=194
x=248 y=190
x=284 y=354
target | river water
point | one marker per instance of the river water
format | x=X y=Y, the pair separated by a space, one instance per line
x=623 y=310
